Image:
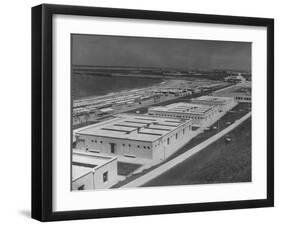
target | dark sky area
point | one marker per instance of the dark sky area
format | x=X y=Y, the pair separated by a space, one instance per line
x=102 y=50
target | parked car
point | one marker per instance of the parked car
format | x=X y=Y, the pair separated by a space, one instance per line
x=228 y=139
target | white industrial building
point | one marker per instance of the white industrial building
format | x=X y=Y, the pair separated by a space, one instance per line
x=235 y=78
x=93 y=171
x=200 y=114
x=223 y=104
x=242 y=93
x=135 y=136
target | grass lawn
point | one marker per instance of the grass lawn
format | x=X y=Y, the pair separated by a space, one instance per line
x=236 y=113
x=124 y=168
x=221 y=162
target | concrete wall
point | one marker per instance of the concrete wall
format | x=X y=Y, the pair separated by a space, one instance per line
x=94 y=180
x=157 y=150
x=111 y=168
x=123 y=147
x=162 y=150
x=202 y=119
x=87 y=181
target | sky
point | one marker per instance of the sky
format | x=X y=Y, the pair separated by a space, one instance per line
x=103 y=50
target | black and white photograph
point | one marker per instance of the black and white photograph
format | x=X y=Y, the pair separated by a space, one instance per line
x=141 y=112
x=151 y=112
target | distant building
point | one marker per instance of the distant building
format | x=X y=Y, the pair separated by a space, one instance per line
x=173 y=91
x=93 y=171
x=107 y=110
x=200 y=114
x=242 y=93
x=135 y=136
x=223 y=104
x=235 y=78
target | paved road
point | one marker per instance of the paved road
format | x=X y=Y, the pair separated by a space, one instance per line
x=173 y=162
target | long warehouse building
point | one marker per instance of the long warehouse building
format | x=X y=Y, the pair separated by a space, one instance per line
x=135 y=136
x=200 y=114
x=223 y=104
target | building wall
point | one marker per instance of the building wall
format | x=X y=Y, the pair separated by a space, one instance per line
x=87 y=182
x=94 y=180
x=157 y=150
x=170 y=143
x=123 y=147
x=111 y=169
x=201 y=119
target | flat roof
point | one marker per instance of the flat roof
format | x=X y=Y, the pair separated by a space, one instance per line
x=106 y=109
x=133 y=127
x=79 y=171
x=238 y=90
x=182 y=107
x=85 y=162
x=217 y=99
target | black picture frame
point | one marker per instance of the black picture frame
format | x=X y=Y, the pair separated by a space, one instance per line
x=42 y=107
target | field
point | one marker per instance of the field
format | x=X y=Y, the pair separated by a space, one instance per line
x=237 y=112
x=125 y=169
x=221 y=162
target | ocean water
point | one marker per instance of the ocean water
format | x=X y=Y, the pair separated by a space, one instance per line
x=83 y=86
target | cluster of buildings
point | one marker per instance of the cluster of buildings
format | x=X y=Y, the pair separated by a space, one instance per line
x=98 y=104
x=118 y=100
x=153 y=136
x=99 y=107
x=238 y=78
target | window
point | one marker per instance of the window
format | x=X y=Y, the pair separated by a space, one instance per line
x=82 y=187
x=138 y=146
x=144 y=147
x=129 y=145
x=95 y=141
x=112 y=148
x=176 y=135
x=105 y=176
x=149 y=147
x=183 y=131
x=168 y=141
x=87 y=149
x=101 y=142
x=123 y=145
